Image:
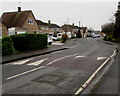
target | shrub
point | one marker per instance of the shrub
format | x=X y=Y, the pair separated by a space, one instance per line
x=79 y=35
x=7 y=46
x=64 y=37
x=108 y=37
x=26 y=42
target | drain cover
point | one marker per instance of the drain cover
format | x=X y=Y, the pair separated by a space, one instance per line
x=49 y=78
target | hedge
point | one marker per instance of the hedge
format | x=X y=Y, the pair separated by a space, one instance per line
x=26 y=42
x=7 y=46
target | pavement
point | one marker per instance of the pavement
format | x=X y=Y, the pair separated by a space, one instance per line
x=56 y=46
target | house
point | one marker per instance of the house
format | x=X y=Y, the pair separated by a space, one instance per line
x=19 y=22
x=74 y=29
x=49 y=28
x=70 y=28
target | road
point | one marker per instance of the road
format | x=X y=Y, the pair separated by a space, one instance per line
x=61 y=72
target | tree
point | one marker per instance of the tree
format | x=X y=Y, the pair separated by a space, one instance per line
x=116 y=33
x=108 y=28
x=79 y=34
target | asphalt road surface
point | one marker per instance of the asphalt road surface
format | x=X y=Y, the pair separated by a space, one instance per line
x=61 y=72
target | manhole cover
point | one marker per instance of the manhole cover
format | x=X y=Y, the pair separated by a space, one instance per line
x=49 y=78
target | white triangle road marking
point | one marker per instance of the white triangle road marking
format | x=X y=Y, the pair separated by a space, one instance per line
x=21 y=62
x=37 y=62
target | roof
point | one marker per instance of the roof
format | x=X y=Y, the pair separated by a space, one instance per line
x=84 y=28
x=54 y=26
x=15 y=19
x=74 y=27
x=39 y=22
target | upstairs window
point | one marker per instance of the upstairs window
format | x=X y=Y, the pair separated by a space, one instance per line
x=30 y=21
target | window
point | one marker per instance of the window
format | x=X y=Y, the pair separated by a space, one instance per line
x=30 y=21
x=35 y=32
x=43 y=28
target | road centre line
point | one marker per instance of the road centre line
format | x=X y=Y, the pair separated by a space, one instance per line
x=25 y=73
x=39 y=67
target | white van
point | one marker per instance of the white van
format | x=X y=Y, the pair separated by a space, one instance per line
x=69 y=34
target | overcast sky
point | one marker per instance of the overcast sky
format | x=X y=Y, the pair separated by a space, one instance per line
x=90 y=14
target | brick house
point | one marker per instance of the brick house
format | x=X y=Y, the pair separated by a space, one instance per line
x=49 y=28
x=70 y=28
x=19 y=22
x=74 y=29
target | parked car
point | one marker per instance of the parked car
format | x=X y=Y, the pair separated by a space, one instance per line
x=89 y=35
x=49 y=39
x=96 y=35
x=54 y=38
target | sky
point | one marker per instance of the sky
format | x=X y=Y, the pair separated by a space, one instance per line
x=91 y=14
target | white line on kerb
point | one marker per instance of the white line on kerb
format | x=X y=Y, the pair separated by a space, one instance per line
x=25 y=73
x=93 y=75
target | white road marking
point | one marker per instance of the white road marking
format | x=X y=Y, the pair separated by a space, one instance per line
x=100 y=58
x=39 y=67
x=21 y=62
x=75 y=54
x=79 y=56
x=57 y=43
x=25 y=73
x=90 y=78
x=94 y=74
x=37 y=62
x=61 y=59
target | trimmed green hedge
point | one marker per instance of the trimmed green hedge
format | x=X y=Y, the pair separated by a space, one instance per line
x=26 y=42
x=7 y=46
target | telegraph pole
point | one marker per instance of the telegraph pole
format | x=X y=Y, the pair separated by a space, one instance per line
x=68 y=25
x=79 y=24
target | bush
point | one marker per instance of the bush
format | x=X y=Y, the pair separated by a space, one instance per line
x=79 y=35
x=7 y=46
x=108 y=37
x=64 y=37
x=26 y=42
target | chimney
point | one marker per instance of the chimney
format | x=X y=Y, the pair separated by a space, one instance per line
x=19 y=9
x=48 y=21
x=73 y=24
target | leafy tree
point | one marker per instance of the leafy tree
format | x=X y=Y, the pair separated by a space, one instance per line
x=79 y=34
x=108 y=28
x=116 y=33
